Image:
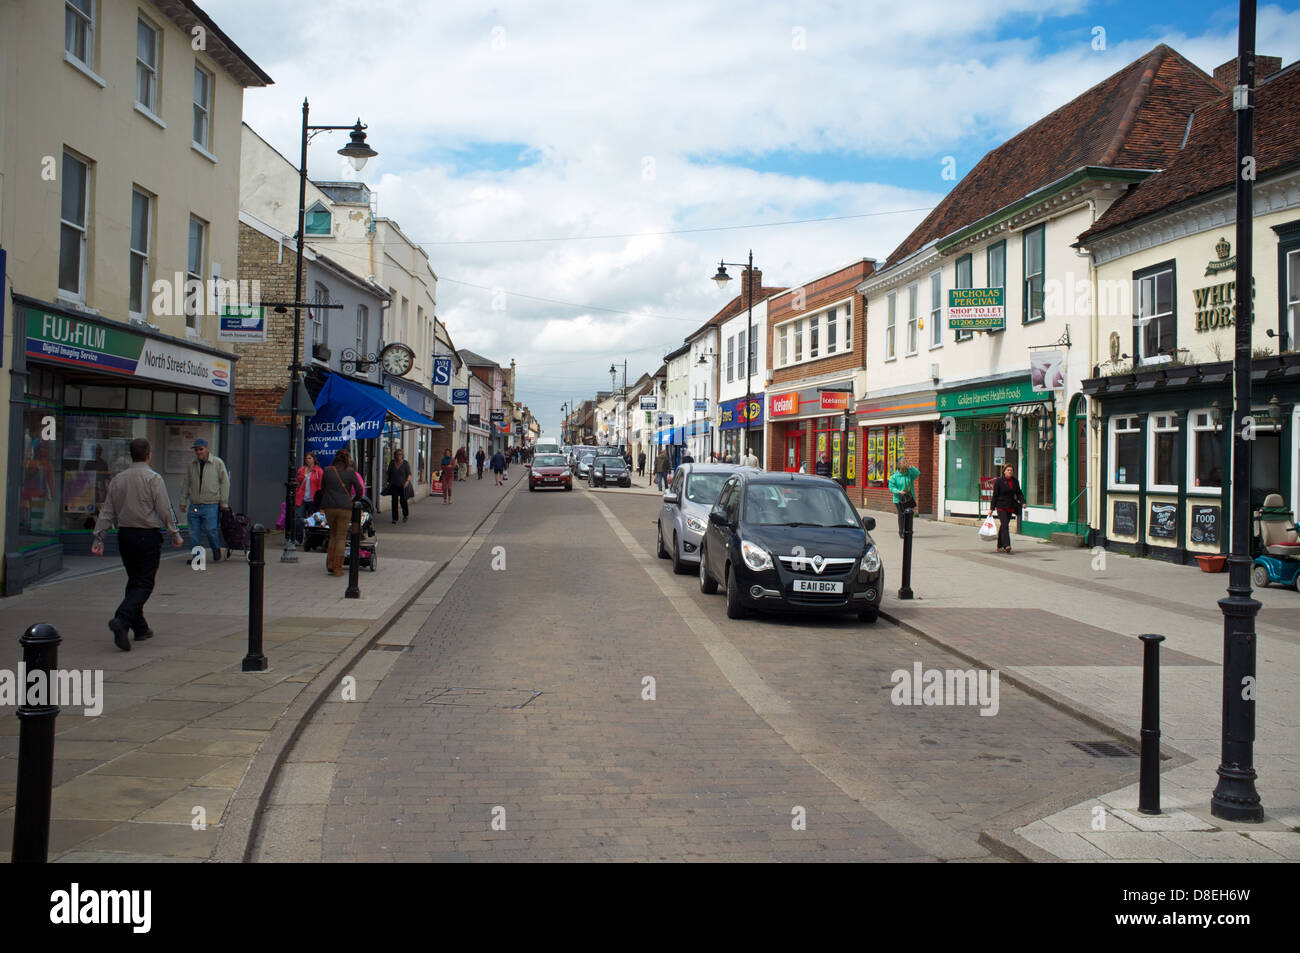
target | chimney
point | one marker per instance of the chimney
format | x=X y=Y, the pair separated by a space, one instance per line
x=1265 y=66
x=751 y=287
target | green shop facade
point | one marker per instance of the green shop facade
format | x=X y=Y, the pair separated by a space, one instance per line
x=1166 y=453
x=82 y=387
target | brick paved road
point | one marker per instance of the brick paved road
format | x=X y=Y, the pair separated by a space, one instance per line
x=750 y=722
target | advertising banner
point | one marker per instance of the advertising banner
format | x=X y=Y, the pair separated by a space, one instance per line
x=784 y=405
x=977 y=309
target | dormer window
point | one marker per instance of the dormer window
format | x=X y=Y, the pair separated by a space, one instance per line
x=319 y=221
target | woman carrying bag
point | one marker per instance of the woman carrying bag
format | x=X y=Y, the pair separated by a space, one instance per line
x=336 y=493
x=397 y=482
x=307 y=496
x=1008 y=498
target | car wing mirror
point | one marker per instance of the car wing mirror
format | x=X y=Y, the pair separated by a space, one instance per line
x=718 y=517
x=868 y=523
x=670 y=497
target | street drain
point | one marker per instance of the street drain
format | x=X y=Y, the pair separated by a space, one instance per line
x=481 y=697
x=1103 y=749
x=384 y=647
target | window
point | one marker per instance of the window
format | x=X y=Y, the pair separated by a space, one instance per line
x=363 y=328
x=79 y=30
x=1162 y=469
x=740 y=355
x=146 y=65
x=885 y=453
x=1125 y=453
x=963 y=279
x=1040 y=455
x=318 y=314
x=197 y=253
x=913 y=293
x=798 y=340
x=203 y=108
x=996 y=267
x=936 y=309
x=1292 y=321
x=74 y=232
x=830 y=332
x=731 y=359
x=753 y=349
x=814 y=326
x=890 y=328
x=319 y=220
x=1034 y=241
x=848 y=327
x=1154 y=316
x=783 y=342
x=141 y=216
x=1206 y=452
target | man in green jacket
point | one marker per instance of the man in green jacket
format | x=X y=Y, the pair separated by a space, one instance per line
x=900 y=484
x=206 y=488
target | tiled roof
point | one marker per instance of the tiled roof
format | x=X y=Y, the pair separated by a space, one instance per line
x=1134 y=119
x=476 y=360
x=733 y=308
x=1207 y=162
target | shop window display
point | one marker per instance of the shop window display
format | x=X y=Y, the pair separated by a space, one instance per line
x=1040 y=457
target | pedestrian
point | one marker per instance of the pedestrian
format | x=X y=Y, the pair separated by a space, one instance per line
x=206 y=488
x=397 y=482
x=902 y=486
x=661 y=470
x=480 y=458
x=462 y=464
x=751 y=458
x=306 y=496
x=499 y=466
x=727 y=459
x=822 y=468
x=687 y=458
x=137 y=505
x=339 y=486
x=505 y=464
x=448 y=474
x=1008 y=498
x=640 y=463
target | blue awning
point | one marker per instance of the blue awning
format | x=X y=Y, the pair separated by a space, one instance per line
x=350 y=410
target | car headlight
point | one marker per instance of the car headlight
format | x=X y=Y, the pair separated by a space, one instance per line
x=695 y=524
x=871 y=560
x=755 y=556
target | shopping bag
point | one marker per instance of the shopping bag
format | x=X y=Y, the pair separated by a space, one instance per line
x=989 y=530
x=436 y=488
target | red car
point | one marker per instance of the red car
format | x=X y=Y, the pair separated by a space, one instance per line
x=549 y=471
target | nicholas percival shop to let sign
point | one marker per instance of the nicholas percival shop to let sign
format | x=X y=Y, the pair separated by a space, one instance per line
x=84 y=387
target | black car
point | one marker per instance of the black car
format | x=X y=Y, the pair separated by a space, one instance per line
x=790 y=542
x=605 y=470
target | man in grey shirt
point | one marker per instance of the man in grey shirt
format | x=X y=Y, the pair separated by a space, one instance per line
x=138 y=506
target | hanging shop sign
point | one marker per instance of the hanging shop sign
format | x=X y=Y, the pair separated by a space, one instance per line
x=1047 y=370
x=245 y=325
x=701 y=405
x=977 y=309
x=648 y=403
x=836 y=400
x=441 y=371
x=460 y=395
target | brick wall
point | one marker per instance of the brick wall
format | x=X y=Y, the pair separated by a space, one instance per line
x=263 y=369
x=921 y=450
x=818 y=294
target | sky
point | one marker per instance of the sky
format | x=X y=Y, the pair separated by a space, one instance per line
x=576 y=170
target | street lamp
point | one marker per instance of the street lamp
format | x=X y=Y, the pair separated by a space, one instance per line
x=357 y=153
x=613 y=375
x=721 y=279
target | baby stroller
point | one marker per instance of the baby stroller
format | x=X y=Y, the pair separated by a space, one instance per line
x=236 y=531
x=1277 y=542
x=369 y=547
x=315 y=533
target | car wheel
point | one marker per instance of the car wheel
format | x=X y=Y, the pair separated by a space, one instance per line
x=868 y=615
x=1259 y=576
x=659 y=541
x=531 y=488
x=679 y=567
x=708 y=585
x=735 y=608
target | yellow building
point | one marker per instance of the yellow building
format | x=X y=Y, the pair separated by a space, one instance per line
x=119 y=204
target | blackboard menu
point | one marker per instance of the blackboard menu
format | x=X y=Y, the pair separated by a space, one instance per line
x=1164 y=520
x=1125 y=521
x=1205 y=525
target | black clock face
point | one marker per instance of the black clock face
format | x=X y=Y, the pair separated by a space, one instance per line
x=397 y=359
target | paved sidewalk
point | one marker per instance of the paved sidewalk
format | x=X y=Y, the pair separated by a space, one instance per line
x=1066 y=627
x=151 y=778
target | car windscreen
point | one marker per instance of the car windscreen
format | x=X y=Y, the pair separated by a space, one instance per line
x=768 y=504
x=611 y=463
x=704 y=487
x=550 y=460
x=587 y=458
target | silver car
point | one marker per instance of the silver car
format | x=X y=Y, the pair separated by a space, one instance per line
x=685 y=511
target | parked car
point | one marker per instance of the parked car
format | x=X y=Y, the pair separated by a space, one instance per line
x=549 y=471
x=583 y=466
x=606 y=470
x=790 y=542
x=685 y=511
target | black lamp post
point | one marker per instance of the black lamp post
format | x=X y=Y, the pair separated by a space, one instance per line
x=357 y=152
x=622 y=396
x=750 y=345
x=1235 y=797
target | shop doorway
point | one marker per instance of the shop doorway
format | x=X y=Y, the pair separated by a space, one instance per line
x=1078 y=488
x=793 y=451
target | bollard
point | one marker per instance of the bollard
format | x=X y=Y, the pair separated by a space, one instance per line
x=31 y=842
x=255 y=660
x=905 y=591
x=1149 y=786
x=354 y=569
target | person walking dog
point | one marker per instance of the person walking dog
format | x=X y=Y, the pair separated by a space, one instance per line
x=1008 y=499
x=138 y=506
x=206 y=488
x=901 y=485
x=337 y=489
x=397 y=482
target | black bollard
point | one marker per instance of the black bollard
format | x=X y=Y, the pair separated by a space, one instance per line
x=255 y=661
x=905 y=591
x=31 y=842
x=354 y=568
x=1149 y=786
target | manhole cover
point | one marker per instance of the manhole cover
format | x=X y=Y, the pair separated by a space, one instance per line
x=1103 y=749
x=482 y=697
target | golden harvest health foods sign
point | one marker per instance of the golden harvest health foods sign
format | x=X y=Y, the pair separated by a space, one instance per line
x=71 y=341
x=977 y=309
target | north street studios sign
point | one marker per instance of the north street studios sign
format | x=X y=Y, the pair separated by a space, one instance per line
x=977 y=309
x=243 y=325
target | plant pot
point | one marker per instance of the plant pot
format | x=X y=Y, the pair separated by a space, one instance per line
x=1212 y=563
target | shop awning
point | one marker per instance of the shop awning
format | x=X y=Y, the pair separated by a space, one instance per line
x=350 y=410
x=1036 y=409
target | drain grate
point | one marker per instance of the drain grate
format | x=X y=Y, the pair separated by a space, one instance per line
x=1103 y=749
x=510 y=698
x=385 y=647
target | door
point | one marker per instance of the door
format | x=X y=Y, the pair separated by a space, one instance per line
x=1078 y=489
x=793 y=451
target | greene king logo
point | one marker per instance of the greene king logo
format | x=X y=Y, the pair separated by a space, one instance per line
x=67 y=688
x=77 y=906
x=946 y=687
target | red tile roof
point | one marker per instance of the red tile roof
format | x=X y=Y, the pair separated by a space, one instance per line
x=1207 y=162
x=1134 y=119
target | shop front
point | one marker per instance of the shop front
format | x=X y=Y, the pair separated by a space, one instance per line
x=422 y=445
x=987 y=427
x=899 y=432
x=736 y=424
x=812 y=425
x=82 y=389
